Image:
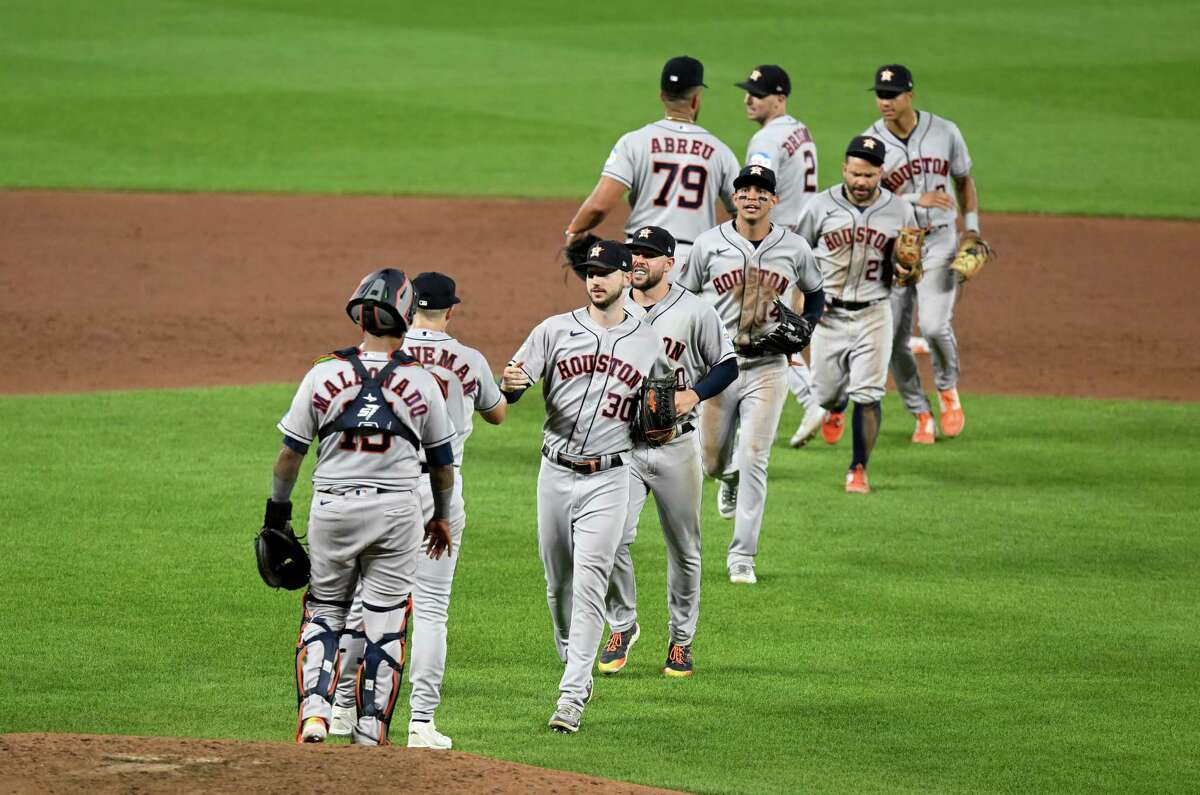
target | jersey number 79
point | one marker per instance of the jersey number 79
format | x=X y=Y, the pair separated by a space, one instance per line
x=692 y=178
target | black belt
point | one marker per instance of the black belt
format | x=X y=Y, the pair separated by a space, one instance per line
x=685 y=242
x=687 y=427
x=838 y=303
x=360 y=491
x=584 y=466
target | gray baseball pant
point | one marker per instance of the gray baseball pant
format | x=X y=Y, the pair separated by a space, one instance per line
x=933 y=300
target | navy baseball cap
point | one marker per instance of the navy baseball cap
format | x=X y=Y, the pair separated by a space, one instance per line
x=435 y=291
x=892 y=77
x=682 y=72
x=654 y=239
x=761 y=176
x=766 y=80
x=608 y=254
x=867 y=148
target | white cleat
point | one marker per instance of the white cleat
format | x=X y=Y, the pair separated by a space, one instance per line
x=425 y=735
x=727 y=500
x=919 y=346
x=808 y=428
x=344 y=719
x=742 y=574
x=313 y=730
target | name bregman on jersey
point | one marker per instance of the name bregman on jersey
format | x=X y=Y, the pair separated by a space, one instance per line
x=796 y=140
x=922 y=165
x=849 y=236
x=588 y=363
x=681 y=146
x=397 y=386
x=727 y=281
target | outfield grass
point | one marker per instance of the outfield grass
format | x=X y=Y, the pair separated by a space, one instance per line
x=1014 y=610
x=1066 y=107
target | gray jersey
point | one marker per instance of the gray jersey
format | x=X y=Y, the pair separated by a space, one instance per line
x=675 y=172
x=934 y=152
x=382 y=461
x=741 y=282
x=592 y=376
x=785 y=146
x=852 y=242
x=692 y=335
x=464 y=375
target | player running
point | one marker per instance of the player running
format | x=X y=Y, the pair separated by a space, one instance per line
x=674 y=170
x=592 y=363
x=700 y=351
x=740 y=268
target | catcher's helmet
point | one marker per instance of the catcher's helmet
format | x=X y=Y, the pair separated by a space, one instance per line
x=383 y=303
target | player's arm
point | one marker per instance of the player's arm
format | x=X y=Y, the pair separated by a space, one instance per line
x=968 y=201
x=298 y=427
x=714 y=382
x=596 y=207
x=437 y=436
x=810 y=303
x=490 y=404
x=526 y=365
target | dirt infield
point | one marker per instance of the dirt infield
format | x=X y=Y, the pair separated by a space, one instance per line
x=80 y=763
x=169 y=290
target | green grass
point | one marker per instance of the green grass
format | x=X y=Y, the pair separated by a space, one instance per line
x=1013 y=610
x=1066 y=107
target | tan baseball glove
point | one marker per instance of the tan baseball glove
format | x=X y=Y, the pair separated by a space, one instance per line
x=973 y=254
x=906 y=255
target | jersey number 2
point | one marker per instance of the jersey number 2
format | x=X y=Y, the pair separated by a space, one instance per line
x=692 y=179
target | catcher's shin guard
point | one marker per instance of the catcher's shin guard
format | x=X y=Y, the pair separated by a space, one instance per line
x=381 y=672
x=317 y=658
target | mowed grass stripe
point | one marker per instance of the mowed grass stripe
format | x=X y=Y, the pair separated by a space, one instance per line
x=1013 y=610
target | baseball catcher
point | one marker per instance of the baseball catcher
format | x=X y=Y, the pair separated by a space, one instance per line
x=282 y=559
x=906 y=255
x=790 y=336
x=973 y=254
x=655 y=418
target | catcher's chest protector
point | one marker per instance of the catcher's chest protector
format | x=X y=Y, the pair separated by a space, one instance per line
x=369 y=412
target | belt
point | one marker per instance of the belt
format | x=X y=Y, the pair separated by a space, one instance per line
x=685 y=242
x=581 y=465
x=687 y=427
x=361 y=492
x=838 y=303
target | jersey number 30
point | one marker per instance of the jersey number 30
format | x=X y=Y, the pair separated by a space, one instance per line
x=692 y=179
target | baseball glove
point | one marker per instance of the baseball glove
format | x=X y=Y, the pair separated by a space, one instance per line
x=282 y=559
x=655 y=418
x=906 y=254
x=576 y=253
x=789 y=337
x=973 y=254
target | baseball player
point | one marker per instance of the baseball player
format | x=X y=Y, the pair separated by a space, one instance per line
x=853 y=227
x=370 y=409
x=740 y=268
x=592 y=363
x=466 y=378
x=674 y=169
x=927 y=159
x=701 y=353
x=785 y=146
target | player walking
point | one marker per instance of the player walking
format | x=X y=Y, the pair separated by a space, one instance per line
x=700 y=351
x=926 y=159
x=592 y=362
x=785 y=146
x=854 y=227
x=674 y=169
x=467 y=379
x=370 y=409
x=740 y=268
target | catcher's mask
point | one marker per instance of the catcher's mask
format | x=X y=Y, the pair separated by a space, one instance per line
x=383 y=303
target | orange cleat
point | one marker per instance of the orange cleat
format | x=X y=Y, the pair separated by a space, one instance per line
x=856 y=480
x=833 y=426
x=924 y=432
x=951 y=419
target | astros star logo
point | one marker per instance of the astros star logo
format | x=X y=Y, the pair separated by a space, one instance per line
x=596 y=249
x=645 y=233
x=869 y=143
x=756 y=170
x=755 y=75
x=886 y=75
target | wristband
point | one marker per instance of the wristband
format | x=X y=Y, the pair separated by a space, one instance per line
x=971 y=222
x=441 y=503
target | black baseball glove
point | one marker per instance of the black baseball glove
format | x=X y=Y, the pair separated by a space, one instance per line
x=282 y=559
x=655 y=418
x=576 y=253
x=790 y=336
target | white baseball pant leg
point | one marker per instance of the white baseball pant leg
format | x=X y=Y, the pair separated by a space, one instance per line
x=933 y=299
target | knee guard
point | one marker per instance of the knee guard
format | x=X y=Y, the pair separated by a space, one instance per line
x=377 y=685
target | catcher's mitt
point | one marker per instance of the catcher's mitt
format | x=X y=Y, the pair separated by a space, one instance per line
x=973 y=254
x=790 y=336
x=576 y=253
x=282 y=559
x=906 y=254
x=655 y=419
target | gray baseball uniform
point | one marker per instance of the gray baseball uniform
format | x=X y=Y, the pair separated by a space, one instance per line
x=591 y=377
x=741 y=281
x=467 y=382
x=932 y=155
x=365 y=524
x=676 y=172
x=853 y=342
x=694 y=341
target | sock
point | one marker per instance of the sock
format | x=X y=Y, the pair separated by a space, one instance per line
x=867 y=419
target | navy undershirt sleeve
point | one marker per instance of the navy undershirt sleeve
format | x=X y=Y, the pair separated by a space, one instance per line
x=295 y=444
x=814 y=305
x=440 y=456
x=716 y=379
x=513 y=397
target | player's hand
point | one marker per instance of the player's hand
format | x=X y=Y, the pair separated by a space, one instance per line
x=514 y=378
x=936 y=198
x=685 y=401
x=437 y=533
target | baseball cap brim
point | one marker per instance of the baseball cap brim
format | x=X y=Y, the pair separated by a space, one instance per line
x=636 y=247
x=761 y=182
x=750 y=88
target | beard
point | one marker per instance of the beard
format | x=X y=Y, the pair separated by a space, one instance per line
x=605 y=303
x=650 y=283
